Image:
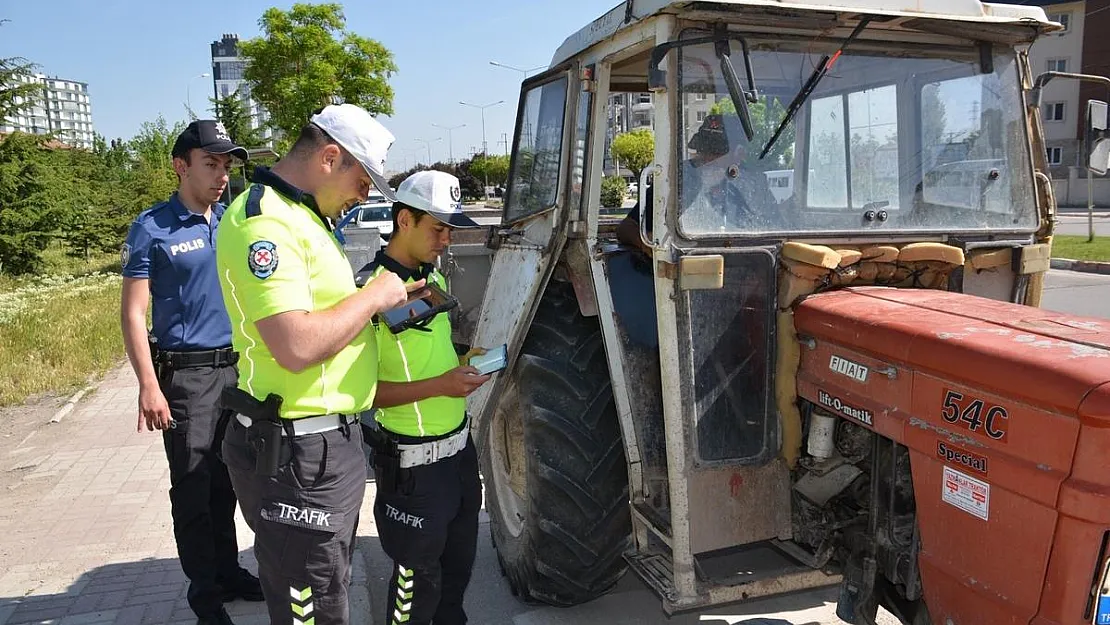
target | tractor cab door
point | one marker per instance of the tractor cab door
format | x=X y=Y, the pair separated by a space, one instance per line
x=533 y=227
x=716 y=537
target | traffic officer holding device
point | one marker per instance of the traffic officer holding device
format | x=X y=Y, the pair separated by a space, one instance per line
x=425 y=465
x=170 y=256
x=308 y=361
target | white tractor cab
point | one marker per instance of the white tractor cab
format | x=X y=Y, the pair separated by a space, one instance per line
x=651 y=414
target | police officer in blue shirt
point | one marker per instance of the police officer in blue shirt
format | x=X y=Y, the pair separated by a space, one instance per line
x=185 y=361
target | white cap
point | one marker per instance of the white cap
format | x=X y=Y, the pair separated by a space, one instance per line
x=438 y=194
x=363 y=136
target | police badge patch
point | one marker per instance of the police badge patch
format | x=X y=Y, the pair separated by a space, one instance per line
x=124 y=255
x=456 y=193
x=262 y=259
x=221 y=132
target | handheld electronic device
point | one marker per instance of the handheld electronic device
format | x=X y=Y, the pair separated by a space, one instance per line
x=417 y=313
x=492 y=361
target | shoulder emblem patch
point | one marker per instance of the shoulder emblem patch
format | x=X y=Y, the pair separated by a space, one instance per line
x=124 y=255
x=262 y=259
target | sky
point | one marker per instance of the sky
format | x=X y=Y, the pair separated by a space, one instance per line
x=142 y=58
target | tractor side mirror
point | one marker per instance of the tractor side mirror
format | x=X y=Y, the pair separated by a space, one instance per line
x=1097 y=139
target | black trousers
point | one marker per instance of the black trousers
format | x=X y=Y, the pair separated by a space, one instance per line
x=429 y=526
x=304 y=520
x=201 y=496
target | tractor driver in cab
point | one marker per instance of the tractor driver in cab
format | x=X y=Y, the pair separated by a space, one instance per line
x=719 y=190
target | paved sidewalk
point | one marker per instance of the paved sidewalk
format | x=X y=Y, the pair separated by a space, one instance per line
x=86 y=536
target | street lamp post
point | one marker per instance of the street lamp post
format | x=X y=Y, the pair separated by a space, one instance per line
x=188 y=91
x=525 y=72
x=429 y=143
x=485 y=152
x=483 y=107
x=450 y=142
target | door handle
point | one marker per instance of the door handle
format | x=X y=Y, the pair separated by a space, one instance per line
x=642 y=203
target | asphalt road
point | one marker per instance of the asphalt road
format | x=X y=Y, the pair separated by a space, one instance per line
x=1077 y=293
x=1074 y=223
x=632 y=603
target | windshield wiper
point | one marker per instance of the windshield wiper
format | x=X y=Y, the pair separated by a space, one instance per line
x=811 y=83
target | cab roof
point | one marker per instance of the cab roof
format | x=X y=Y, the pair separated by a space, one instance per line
x=1024 y=23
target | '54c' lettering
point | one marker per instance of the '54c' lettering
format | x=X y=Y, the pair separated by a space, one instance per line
x=976 y=415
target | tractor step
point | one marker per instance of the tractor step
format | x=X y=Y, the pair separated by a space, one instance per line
x=728 y=576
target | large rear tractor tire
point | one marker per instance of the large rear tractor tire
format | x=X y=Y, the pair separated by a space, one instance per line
x=554 y=463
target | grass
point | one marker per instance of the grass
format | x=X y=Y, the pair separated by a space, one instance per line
x=1077 y=248
x=60 y=328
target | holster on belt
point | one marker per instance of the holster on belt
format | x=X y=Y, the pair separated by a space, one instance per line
x=264 y=434
x=161 y=367
x=385 y=456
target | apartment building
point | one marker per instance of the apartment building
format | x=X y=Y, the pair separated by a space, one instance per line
x=227 y=77
x=1061 y=108
x=62 y=109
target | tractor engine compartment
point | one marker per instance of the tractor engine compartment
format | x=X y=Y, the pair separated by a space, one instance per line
x=952 y=448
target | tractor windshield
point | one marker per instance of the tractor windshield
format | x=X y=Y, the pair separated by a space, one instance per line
x=890 y=140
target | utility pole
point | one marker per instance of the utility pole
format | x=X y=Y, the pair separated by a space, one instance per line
x=505 y=142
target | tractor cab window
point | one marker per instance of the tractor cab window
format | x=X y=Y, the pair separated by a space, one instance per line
x=910 y=140
x=534 y=179
x=854 y=151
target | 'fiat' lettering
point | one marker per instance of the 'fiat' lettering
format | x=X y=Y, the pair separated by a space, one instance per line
x=847 y=368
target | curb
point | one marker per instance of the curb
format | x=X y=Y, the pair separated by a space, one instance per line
x=70 y=404
x=1085 y=266
x=1098 y=214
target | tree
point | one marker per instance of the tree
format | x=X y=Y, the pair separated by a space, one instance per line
x=86 y=198
x=154 y=143
x=492 y=168
x=16 y=93
x=233 y=112
x=151 y=177
x=635 y=150
x=306 y=59
x=766 y=116
x=94 y=219
x=32 y=200
x=613 y=191
x=469 y=184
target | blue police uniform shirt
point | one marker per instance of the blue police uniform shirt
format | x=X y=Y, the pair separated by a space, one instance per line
x=176 y=250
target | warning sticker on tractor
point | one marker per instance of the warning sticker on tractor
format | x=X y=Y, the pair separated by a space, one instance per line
x=967 y=493
x=1102 y=617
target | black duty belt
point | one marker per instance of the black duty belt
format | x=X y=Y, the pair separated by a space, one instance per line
x=222 y=357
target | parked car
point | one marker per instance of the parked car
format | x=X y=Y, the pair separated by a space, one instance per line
x=375 y=212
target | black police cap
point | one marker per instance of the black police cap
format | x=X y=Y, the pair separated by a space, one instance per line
x=208 y=135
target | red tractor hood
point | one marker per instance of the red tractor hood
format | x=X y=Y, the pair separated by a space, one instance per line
x=1005 y=410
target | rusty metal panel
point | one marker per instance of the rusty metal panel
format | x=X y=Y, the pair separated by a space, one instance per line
x=732 y=506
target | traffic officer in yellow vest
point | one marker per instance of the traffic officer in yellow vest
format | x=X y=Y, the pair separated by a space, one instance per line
x=308 y=361
x=428 y=494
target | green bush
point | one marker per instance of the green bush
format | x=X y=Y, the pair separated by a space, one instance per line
x=613 y=191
